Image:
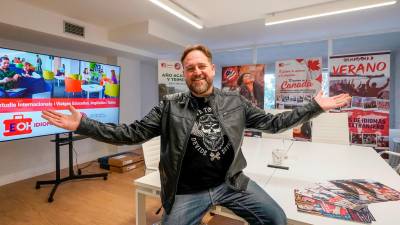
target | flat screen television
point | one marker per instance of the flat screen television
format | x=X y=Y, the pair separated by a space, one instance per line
x=31 y=82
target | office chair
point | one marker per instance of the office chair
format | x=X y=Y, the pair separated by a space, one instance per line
x=331 y=128
x=393 y=154
x=111 y=90
x=394 y=146
x=72 y=86
x=48 y=75
x=151 y=154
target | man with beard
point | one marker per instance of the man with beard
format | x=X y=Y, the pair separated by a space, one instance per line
x=201 y=133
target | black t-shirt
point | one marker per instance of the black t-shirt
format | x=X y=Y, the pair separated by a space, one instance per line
x=208 y=153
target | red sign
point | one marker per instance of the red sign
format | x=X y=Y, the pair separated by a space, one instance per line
x=17 y=125
x=366 y=78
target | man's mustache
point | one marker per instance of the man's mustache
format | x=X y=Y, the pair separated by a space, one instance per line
x=200 y=77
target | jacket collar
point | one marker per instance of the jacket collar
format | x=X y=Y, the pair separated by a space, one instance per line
x=187 y=96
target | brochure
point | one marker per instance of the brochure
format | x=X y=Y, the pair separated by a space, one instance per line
x=344 y=199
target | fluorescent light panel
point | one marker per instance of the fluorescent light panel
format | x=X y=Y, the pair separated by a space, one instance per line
x=179 y=12
x=326 y=9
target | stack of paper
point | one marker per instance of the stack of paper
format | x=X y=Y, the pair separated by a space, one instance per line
x=344 y=199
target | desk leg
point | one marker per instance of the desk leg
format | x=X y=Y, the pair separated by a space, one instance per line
x=140 y=208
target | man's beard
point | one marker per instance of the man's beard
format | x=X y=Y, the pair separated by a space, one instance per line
x=199 y=88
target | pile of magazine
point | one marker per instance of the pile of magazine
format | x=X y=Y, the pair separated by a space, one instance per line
x=344 y=199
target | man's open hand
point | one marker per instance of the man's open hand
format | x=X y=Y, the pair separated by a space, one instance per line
x=68 y=122
x=328 y=103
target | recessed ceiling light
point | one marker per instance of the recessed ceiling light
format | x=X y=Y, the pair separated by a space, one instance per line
x=324 y=9
x=179 y=12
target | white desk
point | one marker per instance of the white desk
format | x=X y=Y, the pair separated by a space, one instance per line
x=309 y=163
x=148 y=185
x=93 y=88
x=258 y=153
x=318 y=162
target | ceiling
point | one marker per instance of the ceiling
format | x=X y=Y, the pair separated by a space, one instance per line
x=227 y=26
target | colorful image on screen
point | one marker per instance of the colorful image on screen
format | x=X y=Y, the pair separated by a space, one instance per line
x=31 y=82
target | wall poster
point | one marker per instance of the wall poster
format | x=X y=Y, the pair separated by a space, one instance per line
x=170 y=78
x=297 y=82
x=248 y=80
x=366 y=78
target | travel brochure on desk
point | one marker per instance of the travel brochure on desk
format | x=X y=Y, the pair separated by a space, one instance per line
x=344 y=199
x=34 y=82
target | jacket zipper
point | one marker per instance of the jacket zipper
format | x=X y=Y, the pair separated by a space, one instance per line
x=215 y=109
x=183 y=156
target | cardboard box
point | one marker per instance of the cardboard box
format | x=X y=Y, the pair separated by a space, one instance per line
x=103 y=161
x=127 y=168
x=125 y=159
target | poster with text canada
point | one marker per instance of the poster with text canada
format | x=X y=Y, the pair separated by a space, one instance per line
x=170 y=78
x=297 y=82
x=366 y=78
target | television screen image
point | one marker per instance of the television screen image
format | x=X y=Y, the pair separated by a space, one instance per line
x=32 y=82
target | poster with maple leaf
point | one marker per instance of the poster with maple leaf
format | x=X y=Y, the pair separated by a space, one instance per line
x=297 y=82
x=366 y=78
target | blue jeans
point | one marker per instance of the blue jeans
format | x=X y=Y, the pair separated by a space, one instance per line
x=254 y=205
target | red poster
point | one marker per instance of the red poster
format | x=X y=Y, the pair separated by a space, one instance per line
x=248 y=80
x=366 y=78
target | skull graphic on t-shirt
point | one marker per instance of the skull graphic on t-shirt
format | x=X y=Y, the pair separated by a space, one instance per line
x=207 y=135
x=213 y=138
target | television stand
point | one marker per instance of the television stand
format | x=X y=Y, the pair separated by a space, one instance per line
x=72 y=176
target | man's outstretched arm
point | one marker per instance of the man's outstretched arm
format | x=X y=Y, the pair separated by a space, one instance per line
x=257 y=118
x=134 y=133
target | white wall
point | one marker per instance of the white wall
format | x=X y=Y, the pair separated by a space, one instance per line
x=395 y=90
x=132 y=97
x=130 y=90
x=149 y=93
x=218 y=76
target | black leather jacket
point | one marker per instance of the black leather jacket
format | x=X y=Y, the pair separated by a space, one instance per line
x=173 y=119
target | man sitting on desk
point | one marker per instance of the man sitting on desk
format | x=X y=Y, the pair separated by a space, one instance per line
x=201 y=161
x=7 y=77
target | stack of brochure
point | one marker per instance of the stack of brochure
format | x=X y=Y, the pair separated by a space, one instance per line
x=344 y=199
